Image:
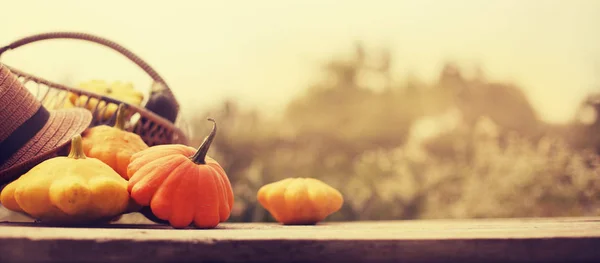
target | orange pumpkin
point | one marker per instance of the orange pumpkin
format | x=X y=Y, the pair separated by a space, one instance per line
x=113 y=145
x=181 y=185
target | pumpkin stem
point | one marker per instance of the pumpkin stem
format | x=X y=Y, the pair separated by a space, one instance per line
x=76 y=148
x=200 y=155
x=120 y=119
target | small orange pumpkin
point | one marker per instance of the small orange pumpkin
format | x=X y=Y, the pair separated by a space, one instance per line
x=113 y=145
x=300 y=201
x=181 y=185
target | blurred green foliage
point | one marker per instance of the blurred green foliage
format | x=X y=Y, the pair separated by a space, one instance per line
x=458 y=148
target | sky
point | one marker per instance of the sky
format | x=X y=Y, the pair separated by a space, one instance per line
x=265 y=52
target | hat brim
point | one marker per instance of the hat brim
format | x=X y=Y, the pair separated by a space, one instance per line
x=56 y=134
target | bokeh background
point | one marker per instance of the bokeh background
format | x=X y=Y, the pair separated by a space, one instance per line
x=412 y=109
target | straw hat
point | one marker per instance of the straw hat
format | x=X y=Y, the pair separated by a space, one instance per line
x=29 y=133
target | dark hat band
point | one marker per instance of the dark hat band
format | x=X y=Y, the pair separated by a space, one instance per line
x=23 y=134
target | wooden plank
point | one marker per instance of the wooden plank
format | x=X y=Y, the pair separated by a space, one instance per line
x=483 y=240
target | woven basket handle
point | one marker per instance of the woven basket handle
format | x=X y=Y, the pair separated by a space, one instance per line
x=83 y=36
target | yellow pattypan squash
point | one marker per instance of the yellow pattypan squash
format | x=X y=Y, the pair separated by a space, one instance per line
x=300 y=201
x=122 y=91
x=113 y=145
x=68 y=190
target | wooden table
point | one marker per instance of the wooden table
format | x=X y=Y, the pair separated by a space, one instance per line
x=498 y=240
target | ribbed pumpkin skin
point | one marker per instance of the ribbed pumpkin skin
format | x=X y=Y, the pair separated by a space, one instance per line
x=177 y=189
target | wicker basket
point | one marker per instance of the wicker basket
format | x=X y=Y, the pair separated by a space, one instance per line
x=153 y=129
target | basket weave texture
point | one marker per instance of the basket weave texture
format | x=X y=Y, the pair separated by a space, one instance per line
x=152 y=128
